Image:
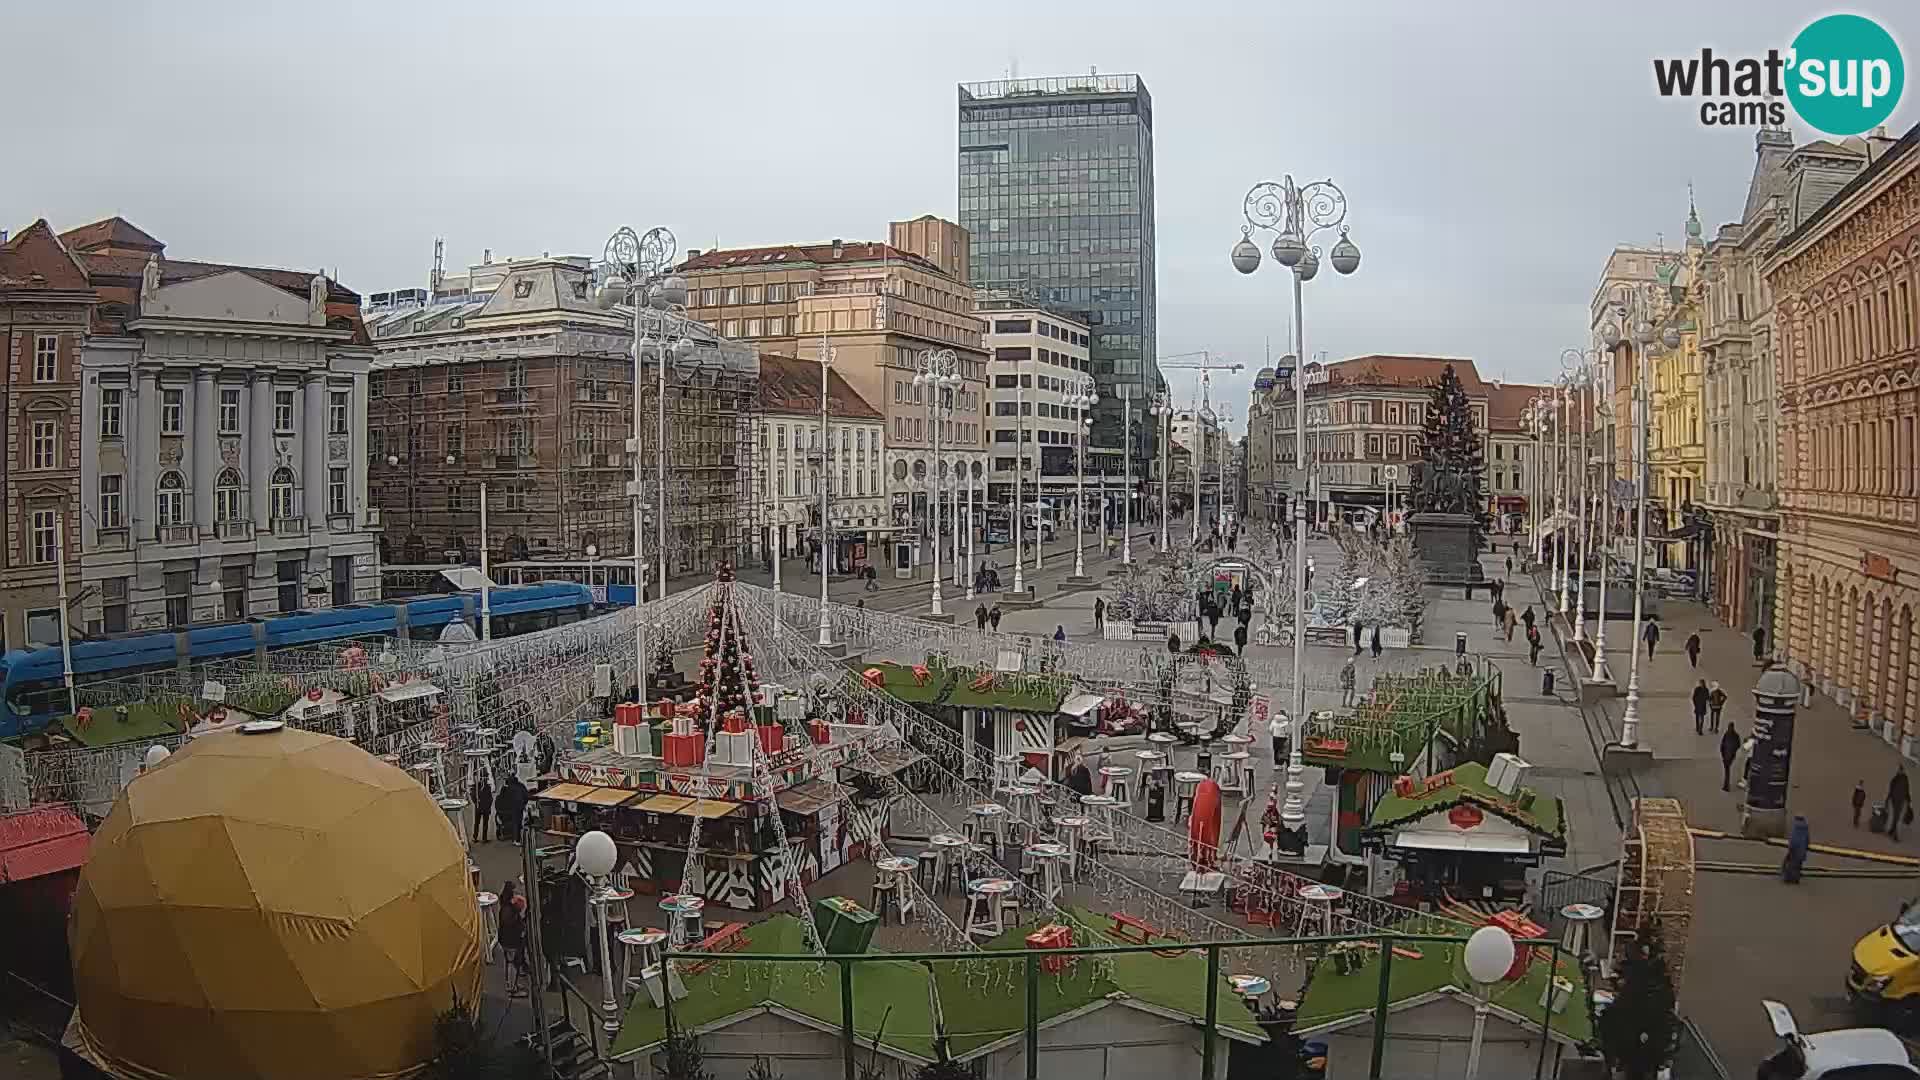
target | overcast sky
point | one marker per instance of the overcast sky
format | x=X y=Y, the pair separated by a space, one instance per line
x=1492 y=153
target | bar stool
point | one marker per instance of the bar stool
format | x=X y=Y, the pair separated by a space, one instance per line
x=489 y=923
x=435 y=756
x=1048 y=857
x=1580 y=920
x=1203 y=761
x=643 y=951
x=1023 y=807
x=984 y=823
x=682 y=910
x=1316 y=909
x=1006 y=771
x=456 y=811
x=1234 y=772
x=949 y=858
x=1072 y=831
x=1118 y=779
x=983 y=906
x=1185 y=784
x=892 y=884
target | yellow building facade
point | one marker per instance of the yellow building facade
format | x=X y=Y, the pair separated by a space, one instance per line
x=1676 y=441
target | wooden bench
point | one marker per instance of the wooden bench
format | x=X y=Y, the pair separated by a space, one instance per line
x=731 y=937
x=1134 y=931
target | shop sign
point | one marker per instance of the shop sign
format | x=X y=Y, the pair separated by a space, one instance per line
x=1465 y=816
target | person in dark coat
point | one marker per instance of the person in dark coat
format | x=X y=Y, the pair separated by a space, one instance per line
x=1700 y=697
x=980 y=617
x=1693 y=649
x=1899 y=798
x=1527 y=617
x=482 y=796
x=1533 y=645
x=1376 y=643
x=993 y=618
x=1650 y=633
x=513 y=937
x=1359 y=642
x=1080 y=778
x=1240 y=639
x=1729 y=749
x=1716 y=701
x=1759 y=643
x=1798 y=841
x=1859 y=800
x=513 y=803
x=1237 y=596
x=1213 y=621
x=1100 y=614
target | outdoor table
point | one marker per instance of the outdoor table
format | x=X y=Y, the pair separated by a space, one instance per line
x=983 y=906
x=949 y=853
x=489 y=923
x=647 y=943
x=1250 y=987
x=681 y=909
x=1048 y=856
x=894 y=879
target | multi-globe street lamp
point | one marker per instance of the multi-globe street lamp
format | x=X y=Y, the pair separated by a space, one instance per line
x=1564 y=386
x=1603 y=543
x=939 y=374
x=1126 y=485
x=1080 y=402
x=641 y=275
x=1162 y=410
x=970 y=473
x=827 y=352
x=1296 y=215
x=1582 y=368
x=1633 y=307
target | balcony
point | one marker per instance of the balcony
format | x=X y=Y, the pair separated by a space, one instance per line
x=239 y=529
x=179 y=534
x=290 y=527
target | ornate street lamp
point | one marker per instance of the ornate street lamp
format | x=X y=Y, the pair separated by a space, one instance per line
x=1081 y=400
x=825 y=638
x=1295 y=215
x=939 y=374
x=1162 y=410
x=1633 y=307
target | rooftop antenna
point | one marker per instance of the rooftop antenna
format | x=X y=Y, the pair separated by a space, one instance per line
x=439 y=270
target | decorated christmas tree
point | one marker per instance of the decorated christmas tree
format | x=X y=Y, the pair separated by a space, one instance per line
x=1639 y=1032
x=727 y=678
x=1452 y=463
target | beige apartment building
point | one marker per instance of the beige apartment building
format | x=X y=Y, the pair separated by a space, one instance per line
x=880 y=307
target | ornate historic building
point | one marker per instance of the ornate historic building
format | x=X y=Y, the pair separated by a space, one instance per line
x=1739 y=346
x=1676 y=445
x=1843 y=284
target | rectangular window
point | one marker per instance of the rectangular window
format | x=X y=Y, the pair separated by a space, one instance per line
x=777 y=326
x=283 y=412
x=46 y=358
x=456 y=380
x=287 y=588
x=730 y=328
x=755 y=327
x=45 y=444
x=112 y=510
x=456 y=438
x=113 y=605
x=229 y=412
x=42 y=539
x=776 y=294
x=233 y=592
x=337 y=412
x=178 y=586
x=172 y=408
x=337 y=492
x=342 y=580
x=753 y=294
x=110 y=402
x=733 y=295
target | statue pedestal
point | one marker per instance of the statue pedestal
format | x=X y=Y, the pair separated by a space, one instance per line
x=1447 y=546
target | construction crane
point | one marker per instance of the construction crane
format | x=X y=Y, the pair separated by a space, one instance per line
x=1206 y=362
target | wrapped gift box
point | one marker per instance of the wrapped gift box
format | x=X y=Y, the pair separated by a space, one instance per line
x=684 y=750
x=821 y=732
x=1520 y=927
x=627 y=712
x=734 y=722
x=1052 y=936
x=773 y=738
x=734 y=748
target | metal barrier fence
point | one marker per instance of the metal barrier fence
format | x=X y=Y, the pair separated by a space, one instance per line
x=997 y=995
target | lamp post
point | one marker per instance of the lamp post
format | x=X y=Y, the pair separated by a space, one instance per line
x=1565 y=385
x=1197 y=459
x=641 y=277
x=1295 y=215
x=1605 y=540
x=1126 y=483
x=971 y=471
x=939 y=373
x=1634 y=305
x=1489 y=956
x=1019 y=477
x=595 y=855
x=825 y=639
x=1162 y=410
x=1580 y=372
x=1081 y=400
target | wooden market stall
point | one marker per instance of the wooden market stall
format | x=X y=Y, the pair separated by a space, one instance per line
x=1469 y=833
x=998 y=713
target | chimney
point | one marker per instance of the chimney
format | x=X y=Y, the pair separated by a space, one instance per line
x=839 y=248
x=693 y=253
x=486 y=256
x=3 y=236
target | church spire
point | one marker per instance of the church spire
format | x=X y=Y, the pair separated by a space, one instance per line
x=1693 y=218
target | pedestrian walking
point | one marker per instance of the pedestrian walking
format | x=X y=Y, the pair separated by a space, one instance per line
x=1359 y=642
x=1279 y=730
x=1693 y=649
x=980 y=618
x=1347 y=691
x=513 y=938
x=512 y=803
x=1533 y=645
x=1100 y=615
x=1512 y=621
x=1729 y=750
x=1899 y=803
x=993 y=618
x=1700 y=696
x=1239 y=594
x=1376 y=643
x=1859 y=800
x=1240 y=639
x=1716 y=701
x=1759 y=644
x=1527 y=617
x=1650 y=633
x=1798 y=842
x=1060 y=634
x=1499 y=612
x=1509 y=564
x=482 y=796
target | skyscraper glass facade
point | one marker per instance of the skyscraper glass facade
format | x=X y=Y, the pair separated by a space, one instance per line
x=1056 y=189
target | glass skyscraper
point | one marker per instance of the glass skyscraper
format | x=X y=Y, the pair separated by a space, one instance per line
x=1056 y=190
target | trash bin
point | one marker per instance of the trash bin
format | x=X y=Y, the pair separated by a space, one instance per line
x=1546 y=680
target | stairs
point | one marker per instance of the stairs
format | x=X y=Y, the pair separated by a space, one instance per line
x=573 y=1056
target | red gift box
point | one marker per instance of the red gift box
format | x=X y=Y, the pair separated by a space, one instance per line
x=626 y=713
x=820 y=730
x=773 y=738
x=1520 y=927
x=734 y=722
x=682 y=750
x=1052 y=936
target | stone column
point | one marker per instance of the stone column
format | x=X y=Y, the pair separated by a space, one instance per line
x=260 y=449
x=313 y=443
x=143 y=471
x=206 y=461
x=357 y=451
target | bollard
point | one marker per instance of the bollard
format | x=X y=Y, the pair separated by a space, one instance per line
x=1459 y=643
x=1546 y=681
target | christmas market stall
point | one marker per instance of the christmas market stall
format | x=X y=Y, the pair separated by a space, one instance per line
x=999 y=713
x=1469 y=833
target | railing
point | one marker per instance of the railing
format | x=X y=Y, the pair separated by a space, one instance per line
x=237 y=529
x=179 y=534
x=290 y=526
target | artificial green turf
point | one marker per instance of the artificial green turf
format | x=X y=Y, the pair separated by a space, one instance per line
x=1470 y=785
x=1332 y=996
x=145 y=720
x=953 y=686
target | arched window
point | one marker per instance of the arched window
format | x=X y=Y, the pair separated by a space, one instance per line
x=282 y=493
x=228 y=499
x=171 y=500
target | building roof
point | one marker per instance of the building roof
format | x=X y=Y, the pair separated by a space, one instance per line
x=1411 y=372
x=781 y=256
x=108 y=233
x=174 y=271
x=789 y=385
x=1467 y=783
x=1866 y=176
x=36 y=259
x=43 y=840
x=1506 y=401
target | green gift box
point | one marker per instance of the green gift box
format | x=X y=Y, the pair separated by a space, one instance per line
x=846 y=927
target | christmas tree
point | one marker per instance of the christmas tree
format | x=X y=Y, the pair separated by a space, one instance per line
x=727 y=679
x=1452 y=462
x=1639 y=1032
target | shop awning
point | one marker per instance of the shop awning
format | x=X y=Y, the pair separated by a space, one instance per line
x=807 y=799
x=1081 y=704
x=565 y=792
x=1486 y=845
x=608 y=796
x=683 y=806
x=408 y=691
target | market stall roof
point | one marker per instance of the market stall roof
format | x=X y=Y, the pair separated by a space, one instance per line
x=685 y=806
x=41 y=841
x=608 y=796
x=1081 y=704
x=955 y=686
x=885 y=760
x=1489 y=844
x=807 y=799
x=565 y=792
x=1467 y=783
x=408 y=691
x=1334 y=1000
